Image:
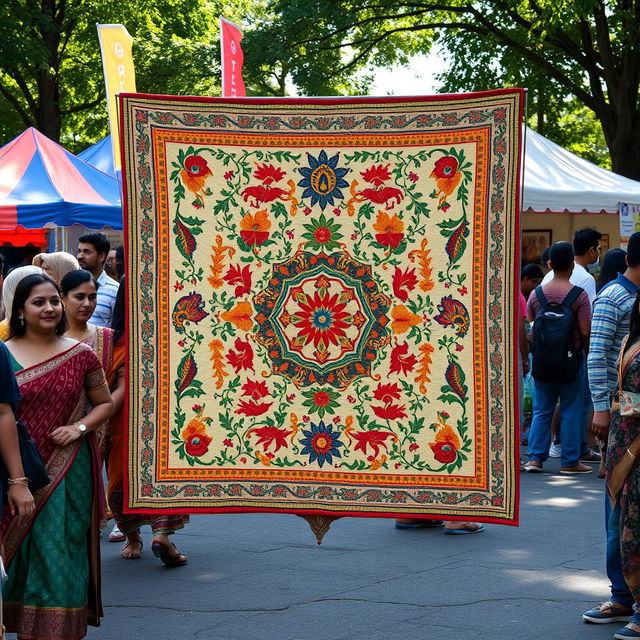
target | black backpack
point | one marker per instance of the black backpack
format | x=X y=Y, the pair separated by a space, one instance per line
x=555 y=356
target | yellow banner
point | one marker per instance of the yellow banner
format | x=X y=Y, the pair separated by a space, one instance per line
x=119 y=75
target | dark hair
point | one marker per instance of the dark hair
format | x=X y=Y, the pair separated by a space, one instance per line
x=634 y=325
x=584 y=240
x=612 y=264
x=117 y=316
x=633 y=250
x=1 y=265
x=120 y=262
x=74 y=279
x=98 y=240
x=23 y=291
x=531 y=271
x=561 y=256
x=545 y=256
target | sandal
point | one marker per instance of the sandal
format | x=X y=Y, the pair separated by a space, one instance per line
x=163 y=552
x=135 y=555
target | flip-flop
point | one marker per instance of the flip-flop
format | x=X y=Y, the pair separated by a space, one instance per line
x=464 y=531
x=162 y=551
x=424 y=524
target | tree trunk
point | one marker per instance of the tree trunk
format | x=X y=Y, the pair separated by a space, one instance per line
x=48 y=117
x=622 y=134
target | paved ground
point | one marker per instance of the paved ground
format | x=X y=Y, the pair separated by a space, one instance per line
x=260 y=576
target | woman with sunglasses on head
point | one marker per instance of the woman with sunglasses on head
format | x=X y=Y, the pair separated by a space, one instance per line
x=52 y=557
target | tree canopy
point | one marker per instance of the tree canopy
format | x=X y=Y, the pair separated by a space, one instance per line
x=580 y=58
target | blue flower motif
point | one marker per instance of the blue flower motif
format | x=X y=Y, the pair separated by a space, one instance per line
x=323 y=180
x=321 y=443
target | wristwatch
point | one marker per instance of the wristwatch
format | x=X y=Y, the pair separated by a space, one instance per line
x=82 y=428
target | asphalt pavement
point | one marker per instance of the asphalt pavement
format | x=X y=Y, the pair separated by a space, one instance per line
x=262 y=576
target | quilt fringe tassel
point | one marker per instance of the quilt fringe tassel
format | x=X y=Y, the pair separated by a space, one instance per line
x=319 y=524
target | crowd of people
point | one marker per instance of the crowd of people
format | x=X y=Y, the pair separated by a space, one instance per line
x=64 y=329
x=580 y=343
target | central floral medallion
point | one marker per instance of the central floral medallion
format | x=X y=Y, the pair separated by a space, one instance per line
x=322 y=319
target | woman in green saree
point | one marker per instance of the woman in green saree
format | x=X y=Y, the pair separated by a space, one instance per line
x=52 y=558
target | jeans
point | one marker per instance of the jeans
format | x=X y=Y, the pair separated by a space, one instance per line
x=619 y=590
x=545 y=397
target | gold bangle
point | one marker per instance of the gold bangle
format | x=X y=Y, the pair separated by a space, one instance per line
x=23 y=481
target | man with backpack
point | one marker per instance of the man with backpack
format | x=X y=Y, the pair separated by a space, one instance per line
x=561 y=316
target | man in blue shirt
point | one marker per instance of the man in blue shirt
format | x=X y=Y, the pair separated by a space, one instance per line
x=93 y=250
x=610 y=323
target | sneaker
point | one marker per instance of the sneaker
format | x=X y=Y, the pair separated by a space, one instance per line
x=608 y=612
x=533 y=466
x=590 y=456
x=577 y=468
x=632 y=630
x=555 y=450
x=116 y=535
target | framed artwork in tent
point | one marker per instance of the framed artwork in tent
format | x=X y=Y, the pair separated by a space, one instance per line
x=605 y=244
x=534 y=242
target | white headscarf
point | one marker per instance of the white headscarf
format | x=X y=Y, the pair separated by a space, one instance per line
x=60 y=263
x=11 y=282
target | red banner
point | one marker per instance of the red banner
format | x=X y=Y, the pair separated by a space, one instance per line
x=232 y=59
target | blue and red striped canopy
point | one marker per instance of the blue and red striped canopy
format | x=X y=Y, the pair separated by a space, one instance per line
x=100 y=156
x=41 y=183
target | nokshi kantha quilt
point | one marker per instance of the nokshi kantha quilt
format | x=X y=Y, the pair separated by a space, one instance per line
x=322 y=304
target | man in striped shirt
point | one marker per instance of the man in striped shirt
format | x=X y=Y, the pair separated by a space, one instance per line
x=93 y=249
x=609 y=325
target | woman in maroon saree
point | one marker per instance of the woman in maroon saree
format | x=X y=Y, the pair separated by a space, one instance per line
x=52 y=558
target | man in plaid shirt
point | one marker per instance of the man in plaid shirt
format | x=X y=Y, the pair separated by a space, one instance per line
x=609 y=325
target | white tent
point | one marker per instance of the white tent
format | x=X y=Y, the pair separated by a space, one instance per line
x=556 y=181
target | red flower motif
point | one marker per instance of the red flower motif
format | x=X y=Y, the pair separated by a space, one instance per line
x=197 y=167
x=413 y=176
x=322 y=235
x=197 y=444
x=413 y=446
x=377 y=174
x=321 y=318
x=240 y=276
x=254 y=227
x=271 y=435
x=463 y=291
x=252 y=408
x=387 y=392
x=188 y=309
x=268 y=174
x=390 y=230
x=243 y=358
x=255 y=390
x=404 y=279
x=400 y=361
x=321 y=398
x=444 y=452
x=228 y=175
x=227 y=443
x=374 y=439
x=445 y=167
x=390 y=411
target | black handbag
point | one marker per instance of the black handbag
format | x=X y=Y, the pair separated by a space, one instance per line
x=32 y=462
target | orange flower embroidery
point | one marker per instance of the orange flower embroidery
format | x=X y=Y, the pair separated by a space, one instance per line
x=424 y=260
x=254 y=227
x=217 y=262
x=390 y=230
x=239 y=316
x=403 y=319
x=217 y=362
x=424 y=370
